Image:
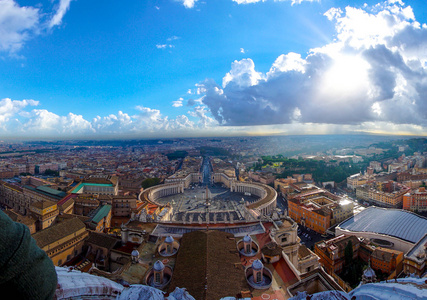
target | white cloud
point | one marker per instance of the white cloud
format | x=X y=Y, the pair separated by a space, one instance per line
x=374 y=71
x=173 y=38
x=333 y=13
x=9 y=108
x=17 y=122
x=205 y=121
x=18 y=119
x=256 y=1
x=164 y=46
x=287 y=62
x=62 y=8
x=17 y=24
x=248 y=1
x=299 y=1
x=121 y=122
x=168 y=45
x=242 y=74
x=192 y=102
x=43 y=123
x=177 y=103
x=188 y=3
x=242 y=50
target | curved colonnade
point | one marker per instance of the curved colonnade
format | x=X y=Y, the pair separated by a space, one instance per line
x=155 y=192
x=265 y=204
x=267 y=196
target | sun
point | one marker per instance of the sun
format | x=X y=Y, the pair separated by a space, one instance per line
x=347 y=74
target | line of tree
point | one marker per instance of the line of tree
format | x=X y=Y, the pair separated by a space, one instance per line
x=149 y=182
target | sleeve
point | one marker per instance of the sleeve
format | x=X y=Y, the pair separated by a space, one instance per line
x=25 y=270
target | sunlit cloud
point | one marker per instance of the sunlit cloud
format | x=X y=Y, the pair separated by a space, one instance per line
x=372 y=77
x=373 y=72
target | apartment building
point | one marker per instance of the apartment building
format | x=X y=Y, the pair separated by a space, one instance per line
x=416 y=200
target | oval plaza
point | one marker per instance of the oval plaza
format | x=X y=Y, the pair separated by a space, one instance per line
x=208 y=195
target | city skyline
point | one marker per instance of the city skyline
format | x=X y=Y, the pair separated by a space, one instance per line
x=191 y=68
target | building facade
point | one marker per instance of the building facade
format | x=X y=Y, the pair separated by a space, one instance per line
x=62 y=241
x=416 y=200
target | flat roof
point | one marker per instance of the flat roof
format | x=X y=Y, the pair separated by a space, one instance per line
x=47 y=191
x=418 y=248
x=399 y=223
x=83 y=184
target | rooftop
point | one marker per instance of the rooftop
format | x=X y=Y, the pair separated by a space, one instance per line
x=393 y=222
x=101 y=213
x=56 y=194
x=83 y=184
x=417 y=253
x=43 y=204
x=102 y=240
x=208 y=265
x=58 y=231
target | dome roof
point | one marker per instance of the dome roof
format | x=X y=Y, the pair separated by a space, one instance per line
x=169 y=239
x=247 y=239
x=158 y=266
x=135 y=253
x=369 y=273
x=257 y=265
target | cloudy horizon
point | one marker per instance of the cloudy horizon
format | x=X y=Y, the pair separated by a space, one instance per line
x=359 y=68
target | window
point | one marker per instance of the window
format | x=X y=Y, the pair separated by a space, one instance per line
x=258 y=277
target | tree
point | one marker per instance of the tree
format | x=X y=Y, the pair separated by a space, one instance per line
x=149 y=182
x=50 y=172
x=348 y=253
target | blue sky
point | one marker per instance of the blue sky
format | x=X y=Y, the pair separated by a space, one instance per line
x=129 y=69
